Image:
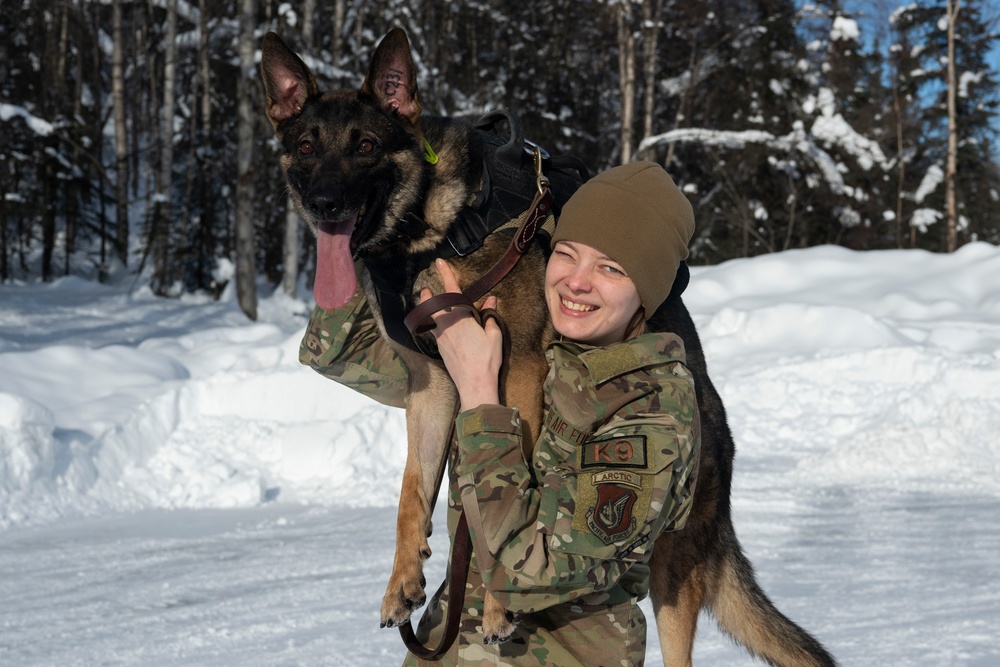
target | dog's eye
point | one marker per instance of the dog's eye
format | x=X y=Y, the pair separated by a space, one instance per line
x=366 y=146
x=306 y=147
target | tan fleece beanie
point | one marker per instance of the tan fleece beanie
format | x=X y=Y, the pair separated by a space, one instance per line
x=636 y=216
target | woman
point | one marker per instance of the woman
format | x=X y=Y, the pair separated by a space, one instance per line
x=563 y=541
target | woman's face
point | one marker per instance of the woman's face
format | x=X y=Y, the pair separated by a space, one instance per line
x=590 y=298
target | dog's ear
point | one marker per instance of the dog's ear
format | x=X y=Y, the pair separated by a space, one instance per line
x=392 y=80
x=288 y=83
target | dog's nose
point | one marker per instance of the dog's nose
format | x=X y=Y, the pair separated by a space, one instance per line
x=324 y=202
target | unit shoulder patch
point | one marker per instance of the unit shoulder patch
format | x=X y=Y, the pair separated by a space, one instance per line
x=611 y=518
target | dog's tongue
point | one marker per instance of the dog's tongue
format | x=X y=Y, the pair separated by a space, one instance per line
x=336 y=281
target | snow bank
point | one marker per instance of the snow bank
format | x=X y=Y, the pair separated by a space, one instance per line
x=876 y=368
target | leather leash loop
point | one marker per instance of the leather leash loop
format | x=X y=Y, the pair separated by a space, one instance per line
x=459 y=567
x=461 y=550
x=419 y=321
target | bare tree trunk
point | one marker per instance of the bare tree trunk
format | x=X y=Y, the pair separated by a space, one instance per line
x=121 y=143
x=206 y=97
x=246 y=265
x=651 y=34
x=204 y=247
x=4 y=217
x=901 y=175
x=169 y=102
x=150 y=175
x=694 y=64
x=163 y=202
x=72 y=206
x=308 y=11
x=290 y=270
x=626 y=76
x=952 y=7
x=48 y=220
x=60 y=73
x=337 y=38
x=194 y=129
x=290 y=276
x=97 y=135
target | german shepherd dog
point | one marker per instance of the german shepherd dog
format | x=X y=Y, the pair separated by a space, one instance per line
x=356 y=170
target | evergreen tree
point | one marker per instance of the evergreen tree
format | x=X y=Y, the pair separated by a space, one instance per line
x=977 y=106
x=779 y=120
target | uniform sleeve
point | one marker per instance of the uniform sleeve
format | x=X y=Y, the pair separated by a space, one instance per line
x=618 y=483
x=503 y=511
x=345 y=345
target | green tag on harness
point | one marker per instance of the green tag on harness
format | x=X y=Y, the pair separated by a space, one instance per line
x=429 y=153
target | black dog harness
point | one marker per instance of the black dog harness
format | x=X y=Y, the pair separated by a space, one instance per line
x=509 y=189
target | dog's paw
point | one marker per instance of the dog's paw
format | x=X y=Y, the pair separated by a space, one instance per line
x=403 y=596
x=498 y=626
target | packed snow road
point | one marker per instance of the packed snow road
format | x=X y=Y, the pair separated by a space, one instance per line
x=176 y=490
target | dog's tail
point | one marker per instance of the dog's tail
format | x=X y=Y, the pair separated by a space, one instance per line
x=745 y=613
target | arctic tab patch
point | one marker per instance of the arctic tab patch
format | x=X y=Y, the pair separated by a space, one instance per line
x=618 y=477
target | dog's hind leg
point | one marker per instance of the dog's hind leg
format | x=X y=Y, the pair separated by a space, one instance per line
x=429 y=415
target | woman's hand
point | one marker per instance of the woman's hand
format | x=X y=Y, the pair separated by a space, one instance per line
x=471 y=353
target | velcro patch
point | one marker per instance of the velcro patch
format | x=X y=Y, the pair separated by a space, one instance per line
x=620 y=452
x=606 y=363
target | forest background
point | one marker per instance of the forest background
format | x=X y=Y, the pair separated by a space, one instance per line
x=133 y=143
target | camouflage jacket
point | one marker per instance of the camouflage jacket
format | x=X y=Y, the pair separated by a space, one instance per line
x=565 y=540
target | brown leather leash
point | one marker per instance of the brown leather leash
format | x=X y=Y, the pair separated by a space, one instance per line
x=458 y=567
x=456 y=598
x=419 y=321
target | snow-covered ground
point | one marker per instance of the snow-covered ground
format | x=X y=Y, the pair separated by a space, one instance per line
x=176 y=490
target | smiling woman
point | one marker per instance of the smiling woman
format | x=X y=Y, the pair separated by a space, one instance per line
x=563 y=538
x=590 y=297
x=626 y=229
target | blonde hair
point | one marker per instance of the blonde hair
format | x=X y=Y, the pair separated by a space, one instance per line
x=637 y=326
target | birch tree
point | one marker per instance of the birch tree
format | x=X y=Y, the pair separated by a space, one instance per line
x=246 y=249
x=163 y=204
x=951 y=210
x=626 y=75
x=650 y=39
x=121 y=140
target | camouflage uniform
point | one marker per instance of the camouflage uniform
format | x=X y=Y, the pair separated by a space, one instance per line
x=564 y=541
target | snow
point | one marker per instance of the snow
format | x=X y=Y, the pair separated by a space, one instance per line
x=928 y=184
x=175 y=489
x=37 y=125
x=831 y=128
x=796 y=141
x=844 y=29
x=967 y=79
x=834 y=130
x=923 y=218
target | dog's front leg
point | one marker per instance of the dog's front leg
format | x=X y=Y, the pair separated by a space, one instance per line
x=430 y=411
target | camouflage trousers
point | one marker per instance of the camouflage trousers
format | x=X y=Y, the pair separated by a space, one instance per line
x=565 y=635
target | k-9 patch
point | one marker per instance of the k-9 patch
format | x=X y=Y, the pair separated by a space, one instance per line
x=619 y=452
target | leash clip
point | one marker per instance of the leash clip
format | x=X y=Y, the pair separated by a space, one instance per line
x=539 y=153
